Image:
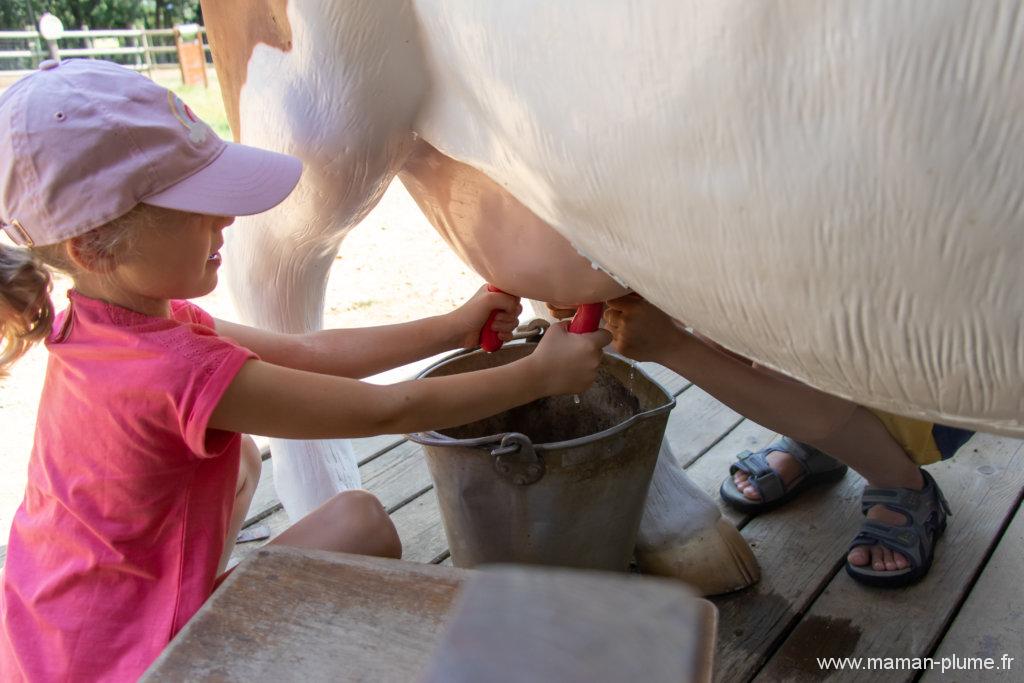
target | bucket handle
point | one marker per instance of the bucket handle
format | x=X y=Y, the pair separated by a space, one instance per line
x=531 y=331
x=516 y=461
x=515 y=458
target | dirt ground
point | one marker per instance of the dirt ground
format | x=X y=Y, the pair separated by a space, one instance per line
x=393 y=267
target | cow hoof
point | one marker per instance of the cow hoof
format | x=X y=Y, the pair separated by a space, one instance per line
x=715 y=561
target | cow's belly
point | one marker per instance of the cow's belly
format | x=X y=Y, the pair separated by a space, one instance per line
x=498 y=237
x=831 y=189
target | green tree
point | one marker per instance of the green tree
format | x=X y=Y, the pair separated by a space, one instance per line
x=17 y=14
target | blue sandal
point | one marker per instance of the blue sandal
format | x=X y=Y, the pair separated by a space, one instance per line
x=926 y=512
x=818 y=468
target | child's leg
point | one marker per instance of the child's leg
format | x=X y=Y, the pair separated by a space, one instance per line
x=350 y=522
x=865 y=445
x=846 y=431
x=249 y=469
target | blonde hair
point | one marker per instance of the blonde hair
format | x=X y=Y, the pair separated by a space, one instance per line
x=26 y=310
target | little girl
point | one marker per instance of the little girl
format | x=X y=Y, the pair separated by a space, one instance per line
x=132 y=482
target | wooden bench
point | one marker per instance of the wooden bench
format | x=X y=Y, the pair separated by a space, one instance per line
x=289 y=614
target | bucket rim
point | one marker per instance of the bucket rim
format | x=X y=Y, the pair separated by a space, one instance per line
x=434 y=438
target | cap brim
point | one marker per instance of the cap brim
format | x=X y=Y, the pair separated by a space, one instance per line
x=241 y=181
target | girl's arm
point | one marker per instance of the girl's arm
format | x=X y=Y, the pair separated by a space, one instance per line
x=365 y=351
x=271 y=400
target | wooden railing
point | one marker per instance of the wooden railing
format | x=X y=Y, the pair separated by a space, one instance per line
x=134 y=47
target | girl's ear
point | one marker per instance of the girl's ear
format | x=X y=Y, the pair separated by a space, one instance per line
x=86 y=257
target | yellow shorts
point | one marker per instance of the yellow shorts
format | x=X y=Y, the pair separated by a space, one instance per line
x=925 y=442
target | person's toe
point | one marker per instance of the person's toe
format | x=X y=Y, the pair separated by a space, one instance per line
x=901 y=561
x=750 y=491
x=890 y=561
x=741 y=480
x=877 y=558
x=859 y=556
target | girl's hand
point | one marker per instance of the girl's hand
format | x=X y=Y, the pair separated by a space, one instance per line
x=567 y=363
x=467 y=320
x=639 y=330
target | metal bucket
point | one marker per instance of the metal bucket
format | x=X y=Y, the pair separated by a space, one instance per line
x=553 y=482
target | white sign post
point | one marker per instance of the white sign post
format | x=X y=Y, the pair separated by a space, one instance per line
x=51 y=29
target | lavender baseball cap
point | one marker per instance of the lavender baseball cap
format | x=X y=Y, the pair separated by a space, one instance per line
x=87 y=140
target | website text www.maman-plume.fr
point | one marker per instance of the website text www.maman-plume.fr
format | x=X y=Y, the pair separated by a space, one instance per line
x=941 y=664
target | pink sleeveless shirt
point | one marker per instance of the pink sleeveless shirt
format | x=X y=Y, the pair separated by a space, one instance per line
x=129 y=494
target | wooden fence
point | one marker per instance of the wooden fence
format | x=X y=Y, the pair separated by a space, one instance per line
x=140 y=49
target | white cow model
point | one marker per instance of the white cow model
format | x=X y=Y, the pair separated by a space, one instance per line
x=835 y=190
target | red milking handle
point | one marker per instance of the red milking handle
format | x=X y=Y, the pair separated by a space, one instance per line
x=489 y=340
x=586 y=320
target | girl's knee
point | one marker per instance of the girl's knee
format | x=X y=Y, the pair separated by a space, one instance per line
x=368 y=528
x=350 y=522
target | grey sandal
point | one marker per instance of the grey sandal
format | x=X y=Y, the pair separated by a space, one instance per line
x=818 y=468
x=926 y=511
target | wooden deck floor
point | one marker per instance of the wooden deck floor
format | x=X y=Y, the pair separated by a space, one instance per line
x=805 y=607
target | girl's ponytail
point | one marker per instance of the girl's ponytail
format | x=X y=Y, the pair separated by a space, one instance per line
x=26 y=312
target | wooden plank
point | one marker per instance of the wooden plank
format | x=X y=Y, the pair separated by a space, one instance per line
x=990 y=624
x=419 y=527
x=294 y=614
x=697 y=423
x=673 y=382
x=398 y=476
x=983 y=485
x=374 y=446
x=799 y=548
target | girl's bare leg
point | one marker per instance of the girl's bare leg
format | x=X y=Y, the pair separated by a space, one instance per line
x=351 y=522
x=248 y=477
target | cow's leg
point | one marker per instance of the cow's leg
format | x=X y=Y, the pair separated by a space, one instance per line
x=683 y=535
x=339 y=88
x=279 y=262
x=277 y=278
x=278 y=265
